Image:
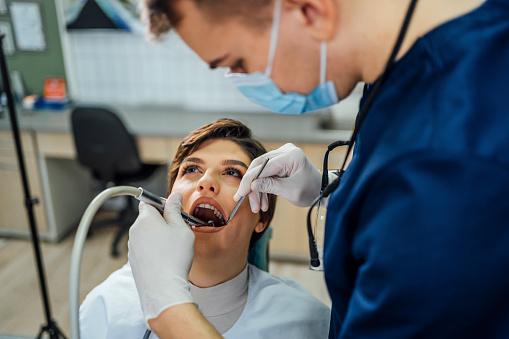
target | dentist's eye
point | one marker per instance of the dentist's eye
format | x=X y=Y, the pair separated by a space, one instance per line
x=233 y=172
x=238 y=67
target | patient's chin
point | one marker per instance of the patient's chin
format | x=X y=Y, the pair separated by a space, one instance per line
x=206 y=249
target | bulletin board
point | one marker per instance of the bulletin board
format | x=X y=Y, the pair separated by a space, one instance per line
x=32 y=45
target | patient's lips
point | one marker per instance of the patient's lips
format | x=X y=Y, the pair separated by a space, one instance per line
x=210 y=211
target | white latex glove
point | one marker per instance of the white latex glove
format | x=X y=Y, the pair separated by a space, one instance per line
x=288 y=174
x=160 y=254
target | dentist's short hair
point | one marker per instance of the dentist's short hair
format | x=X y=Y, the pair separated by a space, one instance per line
x=160 y=16
x=223 y=129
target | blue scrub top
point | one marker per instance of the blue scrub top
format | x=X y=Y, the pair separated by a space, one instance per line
x=417 y=234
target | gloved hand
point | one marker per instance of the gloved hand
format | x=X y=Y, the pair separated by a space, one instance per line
x=160 y=254
x=289 y=174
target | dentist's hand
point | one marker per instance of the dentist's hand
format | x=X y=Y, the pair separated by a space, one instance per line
x=289 y=174
x=161 y=252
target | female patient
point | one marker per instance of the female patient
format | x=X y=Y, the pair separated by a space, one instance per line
x=238 y=299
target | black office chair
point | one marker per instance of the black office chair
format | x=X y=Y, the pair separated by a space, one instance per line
x=104 y=145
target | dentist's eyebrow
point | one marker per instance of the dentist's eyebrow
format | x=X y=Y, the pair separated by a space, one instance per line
x=195 y=160
x=215 y=63
x=233 y=163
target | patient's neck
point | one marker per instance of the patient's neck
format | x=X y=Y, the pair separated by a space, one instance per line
x=208 y=272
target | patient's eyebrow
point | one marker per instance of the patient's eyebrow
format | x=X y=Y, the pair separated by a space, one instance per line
x=233 y=163
x=196 y=160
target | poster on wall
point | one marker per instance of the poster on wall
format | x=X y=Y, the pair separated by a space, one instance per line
x=27 y=24
x=103 y=14
x=8 y=42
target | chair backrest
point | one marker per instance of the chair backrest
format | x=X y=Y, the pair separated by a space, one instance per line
x=103 y=143
x=259 y=254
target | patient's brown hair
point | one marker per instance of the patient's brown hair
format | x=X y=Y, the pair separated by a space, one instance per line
x=225 y=129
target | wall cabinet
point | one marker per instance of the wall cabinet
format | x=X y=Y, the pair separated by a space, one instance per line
x=13 y=215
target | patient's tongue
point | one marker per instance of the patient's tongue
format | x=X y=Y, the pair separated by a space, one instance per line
x=208 y=215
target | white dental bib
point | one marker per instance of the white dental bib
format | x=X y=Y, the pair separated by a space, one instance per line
x=276 y=307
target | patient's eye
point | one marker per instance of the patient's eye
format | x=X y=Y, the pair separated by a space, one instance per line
x=190 y=169
x=233 y=172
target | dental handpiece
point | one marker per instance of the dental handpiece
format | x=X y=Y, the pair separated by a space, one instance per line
x=158 y=203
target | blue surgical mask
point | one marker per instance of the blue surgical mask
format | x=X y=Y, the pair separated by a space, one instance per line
x=260 y=89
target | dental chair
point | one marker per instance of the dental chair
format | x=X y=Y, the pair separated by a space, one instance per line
x=259 y=254
x=109 y=151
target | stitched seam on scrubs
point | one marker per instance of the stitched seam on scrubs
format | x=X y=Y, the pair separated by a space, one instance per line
x=435 y=61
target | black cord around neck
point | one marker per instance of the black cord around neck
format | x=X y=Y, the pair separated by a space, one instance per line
x=315 y=261
x=325 y=173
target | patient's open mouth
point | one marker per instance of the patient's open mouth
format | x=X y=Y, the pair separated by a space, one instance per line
x=209 y=214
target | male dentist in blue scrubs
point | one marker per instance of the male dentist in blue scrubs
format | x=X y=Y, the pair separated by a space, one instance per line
x=417 y=231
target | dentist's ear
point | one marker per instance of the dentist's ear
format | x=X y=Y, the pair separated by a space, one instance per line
x=320 y=17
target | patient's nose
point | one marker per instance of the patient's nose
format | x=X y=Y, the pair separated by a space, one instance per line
x=208 y=183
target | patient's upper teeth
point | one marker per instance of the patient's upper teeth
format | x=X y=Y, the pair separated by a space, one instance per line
x=212 y=208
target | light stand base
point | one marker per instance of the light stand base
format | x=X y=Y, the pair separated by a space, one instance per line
x=52 y=330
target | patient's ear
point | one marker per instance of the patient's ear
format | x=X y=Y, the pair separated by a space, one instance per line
x=260 y=226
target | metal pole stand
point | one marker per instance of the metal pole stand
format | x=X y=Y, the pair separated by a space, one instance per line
x=51 y=327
